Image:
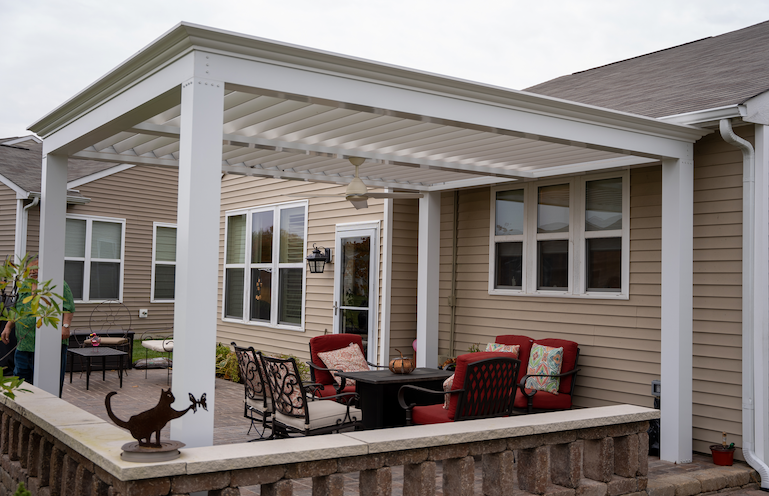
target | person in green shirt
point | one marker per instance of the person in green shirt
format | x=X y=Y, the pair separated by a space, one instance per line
x=26 y=329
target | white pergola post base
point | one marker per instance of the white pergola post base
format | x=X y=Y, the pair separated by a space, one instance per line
x=677 y=268
x=53 y=209
x=428 y=279
x=197 y=257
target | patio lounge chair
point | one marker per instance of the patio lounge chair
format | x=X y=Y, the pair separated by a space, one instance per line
x=320 y=373
x=542 y=401
x=484 y=387
x=257 y=403
x=296 y=410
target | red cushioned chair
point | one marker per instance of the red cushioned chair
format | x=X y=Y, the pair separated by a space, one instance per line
x=542 y=401
x=525 y=343
x=484 y=387
x=322 y=374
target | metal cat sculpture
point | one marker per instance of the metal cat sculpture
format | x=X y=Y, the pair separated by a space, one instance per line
x=144 y=424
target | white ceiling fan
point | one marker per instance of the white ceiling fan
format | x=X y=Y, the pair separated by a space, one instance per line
x=357 y=193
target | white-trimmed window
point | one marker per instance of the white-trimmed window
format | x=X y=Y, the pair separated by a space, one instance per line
x=566 y=237
x=264 y=273
x=93 y=257
x=163 y=262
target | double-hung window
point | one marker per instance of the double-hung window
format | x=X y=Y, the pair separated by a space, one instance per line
x=566 y=237
x=264 y=267
x=163 y=262
x=93 y=257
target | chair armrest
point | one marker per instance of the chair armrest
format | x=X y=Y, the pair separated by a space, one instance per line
x=377 y=366
x=343 y=382
x=524 y=378
x=402 y=392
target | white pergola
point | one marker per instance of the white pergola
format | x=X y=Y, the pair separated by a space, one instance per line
x=207 y=101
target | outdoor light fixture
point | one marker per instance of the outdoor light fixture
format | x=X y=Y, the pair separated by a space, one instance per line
x=318 y=260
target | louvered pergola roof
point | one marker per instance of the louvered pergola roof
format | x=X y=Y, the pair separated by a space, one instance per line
x=296 y=113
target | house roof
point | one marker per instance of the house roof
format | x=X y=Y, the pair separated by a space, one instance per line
x=21 y=159
x=705 y=74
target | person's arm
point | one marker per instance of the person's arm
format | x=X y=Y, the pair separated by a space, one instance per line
x=5 y=337
x=66 y=321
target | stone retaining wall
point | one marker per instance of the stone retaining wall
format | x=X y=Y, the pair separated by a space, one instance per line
x=65 y=451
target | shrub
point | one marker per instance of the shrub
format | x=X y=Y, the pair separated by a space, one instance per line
x=22 y=491
x=226 y=363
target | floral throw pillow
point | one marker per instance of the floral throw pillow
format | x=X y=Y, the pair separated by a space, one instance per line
x=515 y=349
x=349 y=359
x=447 y=385
x=548 y=361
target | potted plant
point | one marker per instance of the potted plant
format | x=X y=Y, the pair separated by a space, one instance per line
x=723 y=454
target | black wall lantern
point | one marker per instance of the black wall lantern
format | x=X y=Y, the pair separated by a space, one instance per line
x=317 y=261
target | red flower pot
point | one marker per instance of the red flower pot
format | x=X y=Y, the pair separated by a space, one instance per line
x=722 y=455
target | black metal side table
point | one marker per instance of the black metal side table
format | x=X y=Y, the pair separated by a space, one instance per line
x=89 y=353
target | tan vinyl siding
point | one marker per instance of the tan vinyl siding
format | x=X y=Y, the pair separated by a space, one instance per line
x=717 y=340
x=8 y=204
x=403 y=313
x=141 y=195
x=323 y=213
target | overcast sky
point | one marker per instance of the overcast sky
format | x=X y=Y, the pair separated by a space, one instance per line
x=52 y=49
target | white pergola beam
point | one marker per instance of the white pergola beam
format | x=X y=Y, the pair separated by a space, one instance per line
x=677 y=301
x=117 y=158
x=53 y=211
x=609 y=131
x=428 y=279
x=197 y=257
x=146 y=98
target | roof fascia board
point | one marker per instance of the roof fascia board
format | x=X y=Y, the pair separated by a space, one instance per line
x=22 y=140
x=707 y=116
x=155 y=93
x=562 y=122
x=21 y=193
x=412 y=86
x=98 y=175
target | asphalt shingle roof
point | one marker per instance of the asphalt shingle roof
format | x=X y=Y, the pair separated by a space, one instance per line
x=708 y=73
x=21 y=163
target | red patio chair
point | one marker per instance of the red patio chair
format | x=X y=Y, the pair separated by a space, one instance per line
x=484 y=387
x=525 y=343
x=321 y=374
x=543 y=401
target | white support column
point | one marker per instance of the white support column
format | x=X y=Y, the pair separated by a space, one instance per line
x=53 y=212
x=197 y=257
x=677 y=269
x=761 y=293
x=428 y=278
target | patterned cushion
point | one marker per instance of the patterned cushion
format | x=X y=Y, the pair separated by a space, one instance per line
x=507 y=348
x=447 y=384
x=349 y=359
x=544 y=360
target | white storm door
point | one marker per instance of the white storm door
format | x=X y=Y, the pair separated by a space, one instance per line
x=356 y=282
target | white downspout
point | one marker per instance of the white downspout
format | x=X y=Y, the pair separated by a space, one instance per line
x=22 y=213
x=748 y=303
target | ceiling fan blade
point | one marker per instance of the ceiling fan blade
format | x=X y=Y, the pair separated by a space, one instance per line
x=359 y=204
x=395 y=195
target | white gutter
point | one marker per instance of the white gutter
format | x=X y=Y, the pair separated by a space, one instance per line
x=748 y=303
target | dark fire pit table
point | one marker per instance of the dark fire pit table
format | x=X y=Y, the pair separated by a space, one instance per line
x=378 y=393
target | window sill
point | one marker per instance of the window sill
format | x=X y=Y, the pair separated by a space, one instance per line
x=561 y=294
x=162 y=301
x=266 y=325
x=89 y=302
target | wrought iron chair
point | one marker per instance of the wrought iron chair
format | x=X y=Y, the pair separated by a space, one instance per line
x=159 y=341
x=257 y=403
x=534 y=401
x=484 y=387
x=296 y=408
x=321 y=374
x=110 y=320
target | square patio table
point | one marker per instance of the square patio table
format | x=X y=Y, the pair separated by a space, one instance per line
x=97 y=352
x=378 y=393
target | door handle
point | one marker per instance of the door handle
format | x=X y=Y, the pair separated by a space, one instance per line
x=336 y=307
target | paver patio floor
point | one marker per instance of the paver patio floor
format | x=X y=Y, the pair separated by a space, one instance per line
x=139 y=394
